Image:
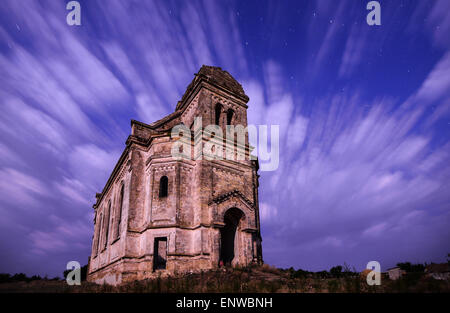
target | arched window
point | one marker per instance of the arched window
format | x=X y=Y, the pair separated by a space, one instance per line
x=119 y=213
x=163 y=187
x=100 y=228
x=98 y=220
x=218 y=111
x=230 y=113
x=108 y=210
x=192 y=131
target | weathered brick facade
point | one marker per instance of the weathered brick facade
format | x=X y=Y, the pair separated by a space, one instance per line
x=159 y=215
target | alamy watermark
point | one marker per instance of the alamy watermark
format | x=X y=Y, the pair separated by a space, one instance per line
x=210 y=143
x=374 y=276
x=74 y=16
x=74 y=276
x=374 y=16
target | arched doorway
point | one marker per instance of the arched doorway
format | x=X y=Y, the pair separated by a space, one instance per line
x=228 y=236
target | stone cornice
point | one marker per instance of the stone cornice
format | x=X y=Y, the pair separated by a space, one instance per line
x=155 y=125
x=171 y=225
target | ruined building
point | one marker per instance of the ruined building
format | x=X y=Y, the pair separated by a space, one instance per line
x=158 y=214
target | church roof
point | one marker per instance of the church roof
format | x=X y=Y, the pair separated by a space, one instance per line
x=210 y=74
x=222 y=78
x=215 y=76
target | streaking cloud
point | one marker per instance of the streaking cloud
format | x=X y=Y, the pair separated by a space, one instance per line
x=364 y=117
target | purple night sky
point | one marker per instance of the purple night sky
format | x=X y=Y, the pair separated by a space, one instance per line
x=364 y=115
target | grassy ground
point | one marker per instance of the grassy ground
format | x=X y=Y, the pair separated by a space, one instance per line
x=240 y=280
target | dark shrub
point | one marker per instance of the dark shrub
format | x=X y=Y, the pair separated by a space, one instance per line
x=336 y=271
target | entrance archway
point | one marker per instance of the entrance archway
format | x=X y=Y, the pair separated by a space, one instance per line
x=228 y=236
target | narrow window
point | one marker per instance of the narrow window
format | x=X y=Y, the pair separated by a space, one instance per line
x=103 y=239
x=97 y=246
x=218 y=111
x=108 y=210
x=230 y=113
x=160 y=253
x=119 y=215
x=98 y=221
x=192 y=132
x=163 y=187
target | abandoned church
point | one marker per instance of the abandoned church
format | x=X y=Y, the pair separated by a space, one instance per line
x=160 y=215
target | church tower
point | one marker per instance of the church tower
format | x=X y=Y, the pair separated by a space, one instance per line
x=159 y=214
